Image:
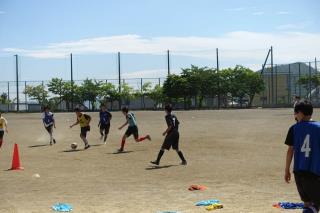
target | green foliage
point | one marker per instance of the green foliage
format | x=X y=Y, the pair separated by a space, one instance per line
x=156 y=94
x=314 y=81
x=4 y=98
x=198 y=83
x=38 y=93
x=127 y=93
x=89 y=91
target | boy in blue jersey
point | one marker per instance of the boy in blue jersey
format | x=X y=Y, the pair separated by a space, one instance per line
x=303 y=142
x=48 y=123
x=104 y=122
x=132 y=128
x=172 y=136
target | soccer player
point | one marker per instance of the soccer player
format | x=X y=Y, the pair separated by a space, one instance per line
x=84 y=121
x=132 y=128
x=172 y=136
x=3 y=127
x=104 y=123
x=48 y=123
x=303 y=140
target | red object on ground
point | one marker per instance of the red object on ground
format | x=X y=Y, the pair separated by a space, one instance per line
x=16 y=159
x=196 y=187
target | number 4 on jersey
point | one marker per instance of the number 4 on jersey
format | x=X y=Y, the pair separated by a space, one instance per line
x=306 y=146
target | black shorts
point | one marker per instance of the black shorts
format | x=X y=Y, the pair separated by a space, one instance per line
x=84 y=131
x=132 y=130
x=105 y=128
x=1 y=134
x=49 y=128
x=308 y=186
x=171 y=140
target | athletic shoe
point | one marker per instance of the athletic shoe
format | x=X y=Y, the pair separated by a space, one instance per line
x=120 y=150
x=148 y=137
x=87 y=146
x=184 y=163
x=155 y=163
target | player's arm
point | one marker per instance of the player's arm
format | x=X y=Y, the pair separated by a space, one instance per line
x=54 y=122
x=110 y=116
x=127 y=117
x=167 y=130
x=6 y=125
x=76 y=123
x=169 y=124
x=123 y=125
x=287 y=175
x=289 y=141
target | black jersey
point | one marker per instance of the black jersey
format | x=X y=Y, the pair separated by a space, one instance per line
x=172 y=121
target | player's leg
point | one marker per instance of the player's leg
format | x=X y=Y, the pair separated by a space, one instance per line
x=1 y=138
x=106 y=132
x=101 y=131
x=302 y=183
x=175 y=146
x=136 y=136
x=310 y=185
x=160 y=154
x=123 y=141
x=83 y=136
x=166 y=145
x=49 y=130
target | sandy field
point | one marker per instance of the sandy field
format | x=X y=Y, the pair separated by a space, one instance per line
x=238 y=154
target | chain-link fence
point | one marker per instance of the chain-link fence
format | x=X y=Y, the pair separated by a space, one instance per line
x=135 y=70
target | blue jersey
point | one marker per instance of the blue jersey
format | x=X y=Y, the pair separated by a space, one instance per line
x=47 y=118
x=105 y=117
x=307 y=147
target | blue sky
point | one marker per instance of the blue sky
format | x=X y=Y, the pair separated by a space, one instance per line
x=43 y=33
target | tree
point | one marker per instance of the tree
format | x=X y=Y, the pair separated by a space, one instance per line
x=175 y=87
x=38 y=93
x=145 y=91
x=4 y=98
x=55 y=86
x=89 y=91
x=307 y=81
x=127 y=93
x=156 y=94
x=108 y=92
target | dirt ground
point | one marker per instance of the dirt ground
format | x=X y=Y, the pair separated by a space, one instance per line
x=238 y=154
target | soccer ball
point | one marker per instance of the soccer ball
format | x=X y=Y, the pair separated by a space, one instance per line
x=74 y=146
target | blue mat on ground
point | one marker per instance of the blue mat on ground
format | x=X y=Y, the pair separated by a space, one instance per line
x=290 y=205
x=168 y=212
x=62 y=207
x=206 y=202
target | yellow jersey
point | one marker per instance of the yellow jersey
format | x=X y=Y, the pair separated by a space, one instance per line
x=3 y=123
x=84 y=120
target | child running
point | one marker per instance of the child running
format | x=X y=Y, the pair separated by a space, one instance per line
x=172 y=136
x=84 y=121
x=303 y=140
x=104 y=123
x=132 y=128
x=48 y=123
x=3 y=127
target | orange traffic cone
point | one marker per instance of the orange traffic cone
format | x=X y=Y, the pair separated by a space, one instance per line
x=16 y=159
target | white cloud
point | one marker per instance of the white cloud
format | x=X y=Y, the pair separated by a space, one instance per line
x=283 y=12
x=237 y=9
x=239 y=47
x=259 y=13
x=291 y=27
x=152 y=73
